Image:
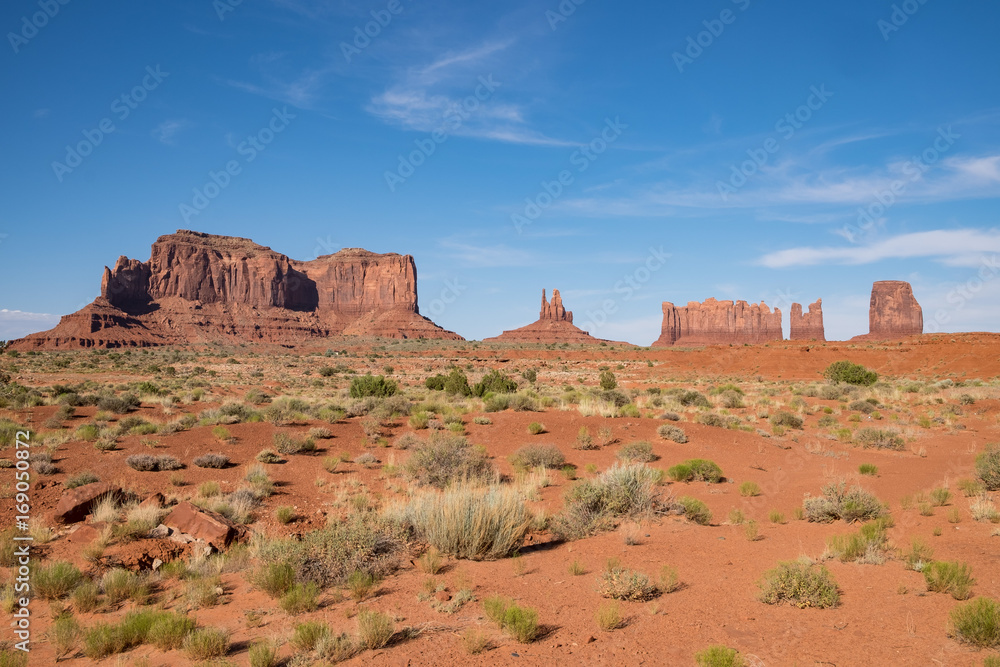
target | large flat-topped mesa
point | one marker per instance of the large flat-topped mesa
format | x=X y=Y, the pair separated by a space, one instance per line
x=808 y=326
x=718 y=322
x=200 y=287
x=893 y=312
x=554 y=325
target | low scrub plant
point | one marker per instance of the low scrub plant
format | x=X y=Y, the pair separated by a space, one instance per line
x=977 y=623
x=840 y=502
x=212 y=461
x=206 y=644
x=636 y=452
x=877 y=438
x=949 y=577
x=530 y=457
x=375 y=629
x=609 y=616
x=719 y=656
x=695 y=510
x=799 y=584
x=56 y=580
x=988 y=467
x=786 y=419
x=867 y=546
x=447 y=459
x=671 y=432
x=749 y=489
x=594 y=505
x=519 y=622
x=696 y=470
x=622 y=584
x=849 y=373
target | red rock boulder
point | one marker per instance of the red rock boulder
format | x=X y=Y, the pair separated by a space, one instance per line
x=75 y=504
x=201 y=524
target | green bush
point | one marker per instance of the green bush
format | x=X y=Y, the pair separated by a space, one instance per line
x=494 y=382
x=607 y=381
x=977 y=623
x=520 y=622
x=849 y=373
x=446 y=459
x=695 y=510
x=988 y=466
x=799 y=584
x=372 y=385
x=375 y=629
x=696 y=470
x=470 y=522
x=949 y=577
x=719 y=656
x=636 y=452
x=693 y=398
x=839 y=502
x=168 y=631
x=786 y=420
x=206 y=643
x=56 y=580
x=300 y=598
x=530 y=457
x=867 y=546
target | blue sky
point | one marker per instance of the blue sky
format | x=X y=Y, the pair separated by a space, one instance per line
x=729 y=149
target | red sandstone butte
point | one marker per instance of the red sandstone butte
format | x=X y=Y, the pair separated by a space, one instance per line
x=894 y=312
x=808 y=326
x=199 y=288
x=718 y=322
x=554 y=325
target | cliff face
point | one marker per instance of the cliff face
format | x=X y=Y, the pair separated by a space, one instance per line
x=893 y=312
x=718 y=322
x=201 y=287
x=808 y=326
x=554 y=325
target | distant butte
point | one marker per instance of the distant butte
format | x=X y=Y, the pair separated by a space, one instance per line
x=199 y=288
x=893 y=312
x=554 y=325
x=718 y=322
x=808 y=326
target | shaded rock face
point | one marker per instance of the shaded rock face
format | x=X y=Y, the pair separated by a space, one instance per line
x=201 y=287
x=201 y=524
x=554 y=325
x=894 y=311
x=718 y=322
x=807 y=326
x=75 y=504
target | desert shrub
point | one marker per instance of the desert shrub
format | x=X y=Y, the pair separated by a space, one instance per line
x=695 y=510
x=372 y=385
x=212 y=461
x=520 y=622
x=536 y=428
x=670 y=416
x=206 y=643
x=863 y=407
x=849 y=373
x=168 y=631
x=977 y=623
x=273 y=578
x=119 y=404
x=119 y=584
x=362 y=542
x=584 y=440
x=712 y=419
x=300 y=598
x=287 y=443
x=149 y=463
x=86 y=597
x=869 y=469
x=786 y=419
x=839 y=502
x=731 y=399
x=636 y=452
x=446 y=459
x=609 y=616
x=696 y=470
x=949 y=577
x=607 y=381
x=875 y=438
x=306 y=636
x=719 y=656
x=470 y=522
x=268 y=456
x=918 y=557
x=56 y=580
x=594 y=505
x=621 y=584
x=375 y=629
x=799 y=584
x=494 y=382
x=988 y=467
x=749 y=489
x=693 y=398
x=867 y=546
x=530 y=457
x=671 y=432
x=263 y=654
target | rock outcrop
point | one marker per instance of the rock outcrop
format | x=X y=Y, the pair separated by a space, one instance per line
x=554 y=325
x=718 y=322
x=894 y=312
x=201 y=288
x=808 y=326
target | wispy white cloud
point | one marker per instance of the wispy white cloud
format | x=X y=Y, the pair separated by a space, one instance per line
x=283 y=82
x=18 y=323
x=165 y=131
x=953 y=247
x=492 y=256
